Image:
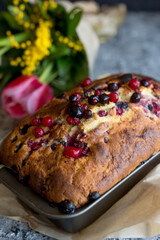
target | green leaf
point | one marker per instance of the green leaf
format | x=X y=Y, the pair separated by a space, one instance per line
x=25 y=16
x=4 y=50
x=5 y=80
x=8 y=2
x=19 y=37
x=10 y=19
x=58 y=52
x=51 y=77
x=63 y=65
x=59 y=17
x=40 y=5
x=3 y=26
x=60 y=84
x=74 y=17
x=71 y=71
x=46 y=73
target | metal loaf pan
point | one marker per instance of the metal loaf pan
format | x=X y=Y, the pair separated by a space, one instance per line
x=85 y=215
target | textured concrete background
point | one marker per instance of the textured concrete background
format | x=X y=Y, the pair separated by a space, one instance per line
x=136 y=48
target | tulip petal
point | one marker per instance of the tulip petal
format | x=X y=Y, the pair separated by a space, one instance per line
x=22 y=86
x=38 y=98
x=16 y=111
x=24 y=96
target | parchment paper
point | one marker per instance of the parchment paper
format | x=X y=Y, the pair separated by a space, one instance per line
x=137 y=214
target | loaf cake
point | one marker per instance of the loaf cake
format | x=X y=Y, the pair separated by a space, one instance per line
x=79 y=145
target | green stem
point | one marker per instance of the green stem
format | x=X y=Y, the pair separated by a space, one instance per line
x=51 y=77
x=4 y=50
x=40 y=5
x=46 y=73
x=19 y=37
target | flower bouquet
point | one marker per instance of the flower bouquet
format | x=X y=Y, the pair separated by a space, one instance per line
x=41 y=54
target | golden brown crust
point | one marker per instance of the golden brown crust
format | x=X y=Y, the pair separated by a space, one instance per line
x=132 y=138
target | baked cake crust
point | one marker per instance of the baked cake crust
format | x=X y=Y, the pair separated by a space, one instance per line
x=114 y=141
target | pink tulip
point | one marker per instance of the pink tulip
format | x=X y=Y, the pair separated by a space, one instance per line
x=25 y=95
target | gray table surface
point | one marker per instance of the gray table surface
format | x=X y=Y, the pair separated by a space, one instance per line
x=136 y=48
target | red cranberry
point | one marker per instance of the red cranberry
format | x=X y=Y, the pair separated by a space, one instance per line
x=135 y=98
x=44 y=141
x=36 y=122
x=105 y=88
x=86 y=82
x=97 y=92
x=119 y=111
x=82 y=145
x=30 y=142
x=38 y=132
x=83 y=136
x=79 y=85
x=156 y=106
x=47 y=121
x=75 y=97
x=72 y=152
x=102 y=113
x=149 y=80
x=113 y=97
x=134 y=83
x=113 y=87
x=77 y=103
x=35 y=146
x=155 y=87
x=84 y=107
x=73 y=121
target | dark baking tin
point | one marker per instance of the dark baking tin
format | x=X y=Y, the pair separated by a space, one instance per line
x=85 y=215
